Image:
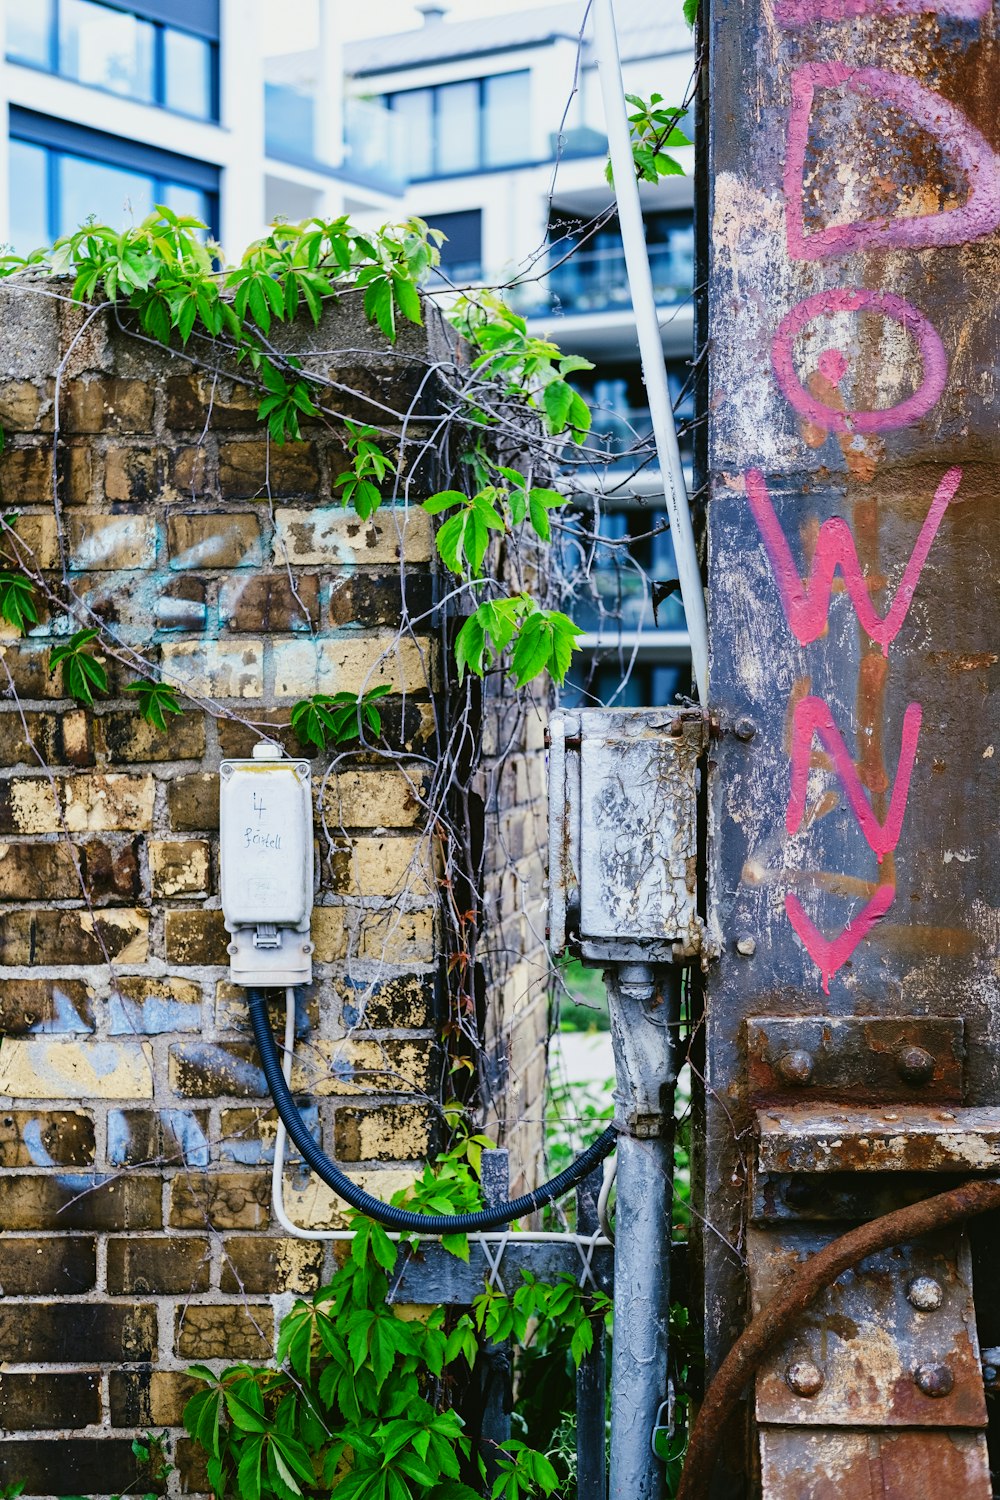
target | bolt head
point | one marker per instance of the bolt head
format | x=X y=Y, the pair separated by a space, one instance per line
x=915 y=1065
x=925 y=1294
x=934 y=1380
x=991 y=1379
x=744 y=728
x=796 y=1067
x=804 y=1378
x=746 y=945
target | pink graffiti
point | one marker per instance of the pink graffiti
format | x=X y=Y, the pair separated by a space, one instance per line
x=807 y=12
x=859 y=299
x=813 y=717
x=830 y=954
x=979 y=215
x=807 y=604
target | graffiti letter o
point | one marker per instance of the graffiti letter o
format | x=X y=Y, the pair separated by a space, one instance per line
x=843 y=299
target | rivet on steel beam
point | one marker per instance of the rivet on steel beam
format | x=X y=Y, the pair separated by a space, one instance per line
x=804 y=1378
x=925 y=1294
x=744 y=728
x=796 y=1067
x=991 y=1379
x=934 y=1380
x=915 y=1065
x=746 y=945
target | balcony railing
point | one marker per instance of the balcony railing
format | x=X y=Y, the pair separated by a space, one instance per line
x=596 y=281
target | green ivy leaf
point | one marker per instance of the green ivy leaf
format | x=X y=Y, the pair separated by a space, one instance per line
x=17 y=601
x=156 y=701
x=83 y=675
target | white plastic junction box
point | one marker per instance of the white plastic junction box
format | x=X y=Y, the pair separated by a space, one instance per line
x=266 y=857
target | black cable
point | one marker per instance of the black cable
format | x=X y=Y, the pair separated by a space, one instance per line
x=385 y=1213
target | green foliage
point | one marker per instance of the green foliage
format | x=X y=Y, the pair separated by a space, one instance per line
x=83 y=675
x=337 y=717
x=690 y=9
x=156 y=701
x=543 y=639
x=360 y=485
x=17 y=604
x=653 y=128
x=357 y=1402
x=530 y=369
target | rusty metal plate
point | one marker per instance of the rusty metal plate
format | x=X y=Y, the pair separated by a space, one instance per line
x=905 y=1138
x=847 y=1196
x=623 y=788
x=876 y=1059
x=818 y=1465
x=891 y=1344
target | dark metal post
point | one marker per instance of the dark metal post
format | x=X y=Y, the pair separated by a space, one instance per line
x=643 y=1022
x=591 y=1377
x=495 y=1360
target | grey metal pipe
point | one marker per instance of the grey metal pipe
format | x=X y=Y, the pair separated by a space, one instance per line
x=639 y=1345
x=644 y=1006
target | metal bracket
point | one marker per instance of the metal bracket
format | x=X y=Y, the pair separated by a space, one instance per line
x=623 y=844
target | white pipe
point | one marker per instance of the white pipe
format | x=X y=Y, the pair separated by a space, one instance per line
x=648 y=331
x=532 y=1237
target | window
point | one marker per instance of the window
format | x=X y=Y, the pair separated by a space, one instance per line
x=457 y=128
x=462 y=249
x=60 y=174
x=135 y=51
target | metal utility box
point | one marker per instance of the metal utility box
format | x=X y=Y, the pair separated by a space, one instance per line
x=266 y=854
x=623 y=837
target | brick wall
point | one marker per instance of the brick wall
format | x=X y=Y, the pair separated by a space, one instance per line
x=135 y=1138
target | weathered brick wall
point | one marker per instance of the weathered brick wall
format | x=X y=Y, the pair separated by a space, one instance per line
x=134 y=1147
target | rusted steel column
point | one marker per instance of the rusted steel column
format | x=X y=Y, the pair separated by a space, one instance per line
x=853 y=555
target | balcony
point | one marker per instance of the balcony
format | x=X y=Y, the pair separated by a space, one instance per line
x=595 y=280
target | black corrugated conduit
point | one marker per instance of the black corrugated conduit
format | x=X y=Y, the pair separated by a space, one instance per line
x=385 y=1213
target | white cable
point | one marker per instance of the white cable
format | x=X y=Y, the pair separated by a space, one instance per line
x=610 y=1173
x=648 y=331
x=495 y=1237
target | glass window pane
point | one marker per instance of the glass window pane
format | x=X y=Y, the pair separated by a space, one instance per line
x=29 y=217
x=507 y=125
x=29 y=32
x=187 y=68
x=187 y=201
x=112 y=195
x=106 y=47
x=414 y=109
x=457 y=127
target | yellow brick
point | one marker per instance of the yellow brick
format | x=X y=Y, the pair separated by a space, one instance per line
x=396 y=937
x=366 y=866
x=98 y=804
x=328 y=931
x=352 y=664
x=330 y=534
x=311 y=1204
x=37 y=534
x=374 y=799
x=101 y=542
x=38 y=1068
x=366 y=1067
x=31 y=805
x=179 y=868
x=210 y=669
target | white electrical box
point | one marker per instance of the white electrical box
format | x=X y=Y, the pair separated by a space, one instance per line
x=266 y=856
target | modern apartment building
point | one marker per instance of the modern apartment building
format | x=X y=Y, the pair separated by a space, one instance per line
x=114 y=107
x=490 y=129
x=495 y=134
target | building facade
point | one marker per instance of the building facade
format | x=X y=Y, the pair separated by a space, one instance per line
x=497 y=137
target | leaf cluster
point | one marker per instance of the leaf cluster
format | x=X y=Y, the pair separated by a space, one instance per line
x=360 y=485
x=540 y=640
x=355 y=1404
x=337 y=717
x=653 y=127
